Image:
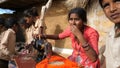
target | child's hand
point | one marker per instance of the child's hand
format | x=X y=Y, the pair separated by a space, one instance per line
x=35 y=36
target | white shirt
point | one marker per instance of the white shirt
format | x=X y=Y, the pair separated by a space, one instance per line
x=1 y=35
x=34 y=29
x=7 y=45
x=112 y=51
x=29 y=32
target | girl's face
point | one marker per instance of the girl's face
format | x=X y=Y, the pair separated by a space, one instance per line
x=29 y=20
x=75 y=20
x=112 y=10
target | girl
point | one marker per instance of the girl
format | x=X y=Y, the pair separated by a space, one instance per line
x=84 y=39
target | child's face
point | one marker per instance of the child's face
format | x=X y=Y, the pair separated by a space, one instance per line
x=22 y=26
x=29 y=20
x=15 y=27
x=112 y=10
x=75 y=20
x=1 y=26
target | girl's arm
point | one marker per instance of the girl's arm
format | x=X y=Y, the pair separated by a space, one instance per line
x=90 y=52
x=54 y=37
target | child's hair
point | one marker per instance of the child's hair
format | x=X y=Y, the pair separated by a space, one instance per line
x=100 y=2
x=80 y=12
x=2 y=21
x=10 y=22
x=32 y=12
x=22 y=21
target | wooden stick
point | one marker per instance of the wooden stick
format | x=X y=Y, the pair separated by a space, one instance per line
x=44 y=10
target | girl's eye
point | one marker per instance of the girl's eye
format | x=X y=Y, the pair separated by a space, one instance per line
x=77 y=19
x=74 y=19
x=105 y=5
x=117 y=1
x=70 y=18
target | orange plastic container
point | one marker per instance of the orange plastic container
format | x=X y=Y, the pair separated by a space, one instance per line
x=66 y=63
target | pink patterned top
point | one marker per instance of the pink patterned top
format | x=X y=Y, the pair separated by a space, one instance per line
x=92 y=37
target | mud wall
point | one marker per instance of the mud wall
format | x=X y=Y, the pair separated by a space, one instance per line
x=56 y=22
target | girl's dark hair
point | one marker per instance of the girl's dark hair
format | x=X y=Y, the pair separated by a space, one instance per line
x=80 y=12
x=2 y=21
x=10 y=22
x=32 y=12
x=100 y=2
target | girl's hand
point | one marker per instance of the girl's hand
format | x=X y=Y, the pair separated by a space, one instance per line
x=78 y=34
x=35 y=36
x=41 y=36
x=38 y=36
x=75 y=30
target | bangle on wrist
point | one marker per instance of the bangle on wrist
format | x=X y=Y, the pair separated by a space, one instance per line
x=85 y=45
x=86 y=49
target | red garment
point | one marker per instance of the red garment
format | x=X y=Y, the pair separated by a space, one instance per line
x=92 y=37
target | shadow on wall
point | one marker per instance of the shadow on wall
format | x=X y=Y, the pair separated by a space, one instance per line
x=59 y=43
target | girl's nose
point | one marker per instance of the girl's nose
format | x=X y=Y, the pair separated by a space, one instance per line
x=73 y=22
x=113 y=7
